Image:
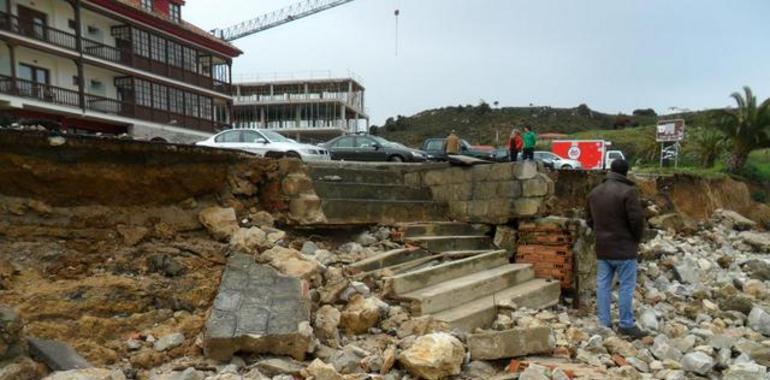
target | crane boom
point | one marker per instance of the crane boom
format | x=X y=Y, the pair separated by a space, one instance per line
x=279 y=17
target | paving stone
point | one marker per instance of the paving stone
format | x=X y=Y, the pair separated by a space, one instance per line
x=57 y=356
x=258 y=310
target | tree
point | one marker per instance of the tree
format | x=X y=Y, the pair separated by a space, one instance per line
x=746 y=126
x=708 y=144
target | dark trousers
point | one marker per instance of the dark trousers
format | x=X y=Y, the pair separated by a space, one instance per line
x=529 y=154
x=513 y=155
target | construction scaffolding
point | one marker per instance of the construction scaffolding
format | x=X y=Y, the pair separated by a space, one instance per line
x=309 y=110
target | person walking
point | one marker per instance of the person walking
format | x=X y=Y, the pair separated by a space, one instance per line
x=515 y=143
x=615 y=214
x=530 y=139
x=452 y=144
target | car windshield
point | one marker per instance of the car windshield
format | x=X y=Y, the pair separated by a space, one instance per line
x=274 y=136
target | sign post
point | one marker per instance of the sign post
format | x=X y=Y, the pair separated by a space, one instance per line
x=669 y=134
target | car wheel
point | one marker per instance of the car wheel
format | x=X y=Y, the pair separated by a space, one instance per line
x=396 y=159
x=293 y=155
x=566 y=167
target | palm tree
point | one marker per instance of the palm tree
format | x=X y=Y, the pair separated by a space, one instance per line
x=708 y=146
x=747 y=126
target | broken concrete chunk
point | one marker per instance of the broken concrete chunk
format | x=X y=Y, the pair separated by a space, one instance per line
x=57 y=356
x=322 y=371
x=292 y=263
x=360 y=315
x=512 y=343
x=435 y=356
x=221 y=223
x=257 y=310
x=248 y=240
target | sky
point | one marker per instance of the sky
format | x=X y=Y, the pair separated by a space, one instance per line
x=614 y=55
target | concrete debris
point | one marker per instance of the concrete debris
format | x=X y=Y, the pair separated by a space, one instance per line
x=248 y=240
x=221 y=223
x=510 y=343
x=697 y=362
x=360 y=315
x=57 y=356
x=434 y=356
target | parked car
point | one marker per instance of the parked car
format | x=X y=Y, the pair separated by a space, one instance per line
x=551 y=160
x=435 y=148
x=266 y=143
x=371 y=148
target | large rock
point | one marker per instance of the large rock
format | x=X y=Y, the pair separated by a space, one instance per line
x=745 y=371
x=327 y=321
x=512 y=343
x=292 y=263
x=221 y=223
x=57 y=356
x=248 y=240
x=697 y=362
x=673 y=222
x=758 y=240
x=759 y=320
x=360 y=314
x=87 y=374
x=168 y=342
x=432 y=357
x=322 y=371
x=732 y=219
x=257 y=310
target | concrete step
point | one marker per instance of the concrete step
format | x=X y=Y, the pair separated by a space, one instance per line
x=452 y=243
x=355 y=174
x=415 y=230
x=378 y=191
x=359 y=211
x=481 y=313
x=464 y=289
x=464 y=253
x=408 y=282
x=387 y=259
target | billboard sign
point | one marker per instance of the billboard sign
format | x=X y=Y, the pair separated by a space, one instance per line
x=670 y=130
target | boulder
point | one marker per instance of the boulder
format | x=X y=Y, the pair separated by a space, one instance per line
x=434 y=356
x=262 y=219
x=87 y=374
x=615 y=345
x=697 y=362
x=759 y=320
x=322 y=371
x=673 y=222
x=425 y=324
x=734 y=220
x=360 y=314
x=512 y=343
x=257 y=310
x=248 y=240
x=745 y=371
x=757 y=269
x=221 y=223
x=327 y=321
x=758 y=240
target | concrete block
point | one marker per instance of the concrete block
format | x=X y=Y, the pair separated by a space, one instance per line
x=501 y=172
x=461 y=192
x=526 y=207
x=484 y=190
x=481 y=173
x=510 y=343
x=534 y=187
x=458 y=210
x=455 y=175
x=505 y=238
x=57 y=356
x=413 y=179
x=442 y=193
x=478 y=208
x=509 y=189
x=433 y=177
x=524 y=169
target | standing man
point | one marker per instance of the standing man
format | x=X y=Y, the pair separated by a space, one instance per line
x=452 y=144
x=530 y=139
x=615 y=213
x=515 y=143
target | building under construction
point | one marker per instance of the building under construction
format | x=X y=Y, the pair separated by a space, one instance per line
x=313 y=110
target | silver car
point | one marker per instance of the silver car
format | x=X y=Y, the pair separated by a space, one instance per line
x=265 y=143
x=556 y=162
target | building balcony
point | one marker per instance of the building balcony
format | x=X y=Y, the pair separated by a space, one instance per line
x=58 y=96
x=114 y=55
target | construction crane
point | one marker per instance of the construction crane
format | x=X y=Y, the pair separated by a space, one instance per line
x=279 y=17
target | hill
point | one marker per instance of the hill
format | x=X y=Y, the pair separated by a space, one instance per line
x=483 y=124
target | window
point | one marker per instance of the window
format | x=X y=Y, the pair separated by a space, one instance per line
x=33 y=74
x=175 y=12
x=71 y=24
x=435 y=145
x=176 y=101
x=191 y=105
x=345 y=142
x=364 y=142
x=228 y=137
x=159 y=97
x=141 y=43
x=147 y=5
x=157 y=48
x=174 y=54
x=206 y=111
x=251 y=137
x=190 y=59
x=143 y=93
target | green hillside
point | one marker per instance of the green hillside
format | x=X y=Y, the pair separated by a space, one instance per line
x=483 y=124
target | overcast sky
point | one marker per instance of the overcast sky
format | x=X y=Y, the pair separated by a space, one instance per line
x=614 y=55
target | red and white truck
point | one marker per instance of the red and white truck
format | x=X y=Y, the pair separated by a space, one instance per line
x=592 y=154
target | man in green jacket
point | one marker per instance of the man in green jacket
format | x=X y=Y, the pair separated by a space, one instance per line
x=530 y=139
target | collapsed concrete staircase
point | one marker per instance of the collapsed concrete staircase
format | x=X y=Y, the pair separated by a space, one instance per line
x=364 y=194
x=454 y=272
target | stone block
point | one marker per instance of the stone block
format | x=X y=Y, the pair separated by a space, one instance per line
x=513 y=343
x=295 y=184
x=461 y=192
x=524 y=169
x=535 y=187
x=458 y=210
x=257 y=311
x=527 y=207
x=481 y=173
x=57 y=356
x=501 y=172
x=484 y=190
x=457 y=175
x=478 y=209
x=434 y=177
x=442 y=193
x=508 y=189
x=413 y=179
x=505 y=238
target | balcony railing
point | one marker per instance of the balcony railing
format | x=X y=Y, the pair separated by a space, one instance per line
x=124 y=56
x=66 y=97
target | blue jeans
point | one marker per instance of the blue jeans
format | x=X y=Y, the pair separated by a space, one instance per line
x=626 y=270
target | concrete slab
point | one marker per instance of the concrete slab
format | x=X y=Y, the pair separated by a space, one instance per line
x=57 y=356
x=493 y=345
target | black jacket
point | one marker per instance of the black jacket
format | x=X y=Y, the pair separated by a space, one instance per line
x=615 y=213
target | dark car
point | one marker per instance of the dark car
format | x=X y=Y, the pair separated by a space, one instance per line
x=372 y=148
x=435 y=148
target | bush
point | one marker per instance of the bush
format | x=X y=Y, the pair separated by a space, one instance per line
x=759 y=196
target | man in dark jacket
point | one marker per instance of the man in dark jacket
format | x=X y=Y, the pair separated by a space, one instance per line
x=615 y=213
